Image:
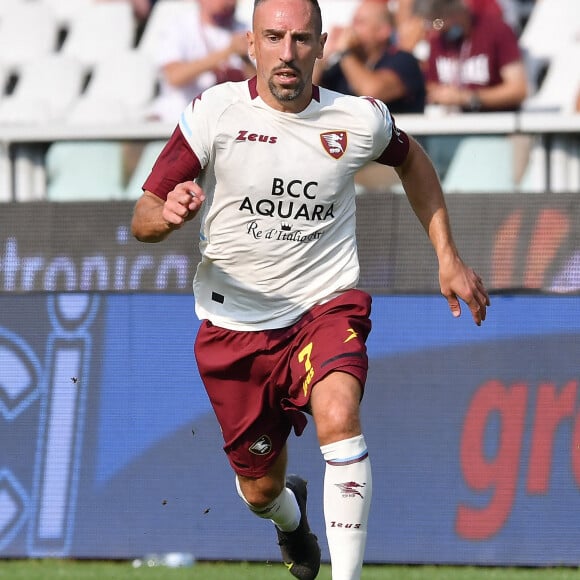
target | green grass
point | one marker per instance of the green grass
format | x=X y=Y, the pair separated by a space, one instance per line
x=80 y=570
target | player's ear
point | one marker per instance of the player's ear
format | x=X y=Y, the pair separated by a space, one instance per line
x=250 y=38
x=323 y=38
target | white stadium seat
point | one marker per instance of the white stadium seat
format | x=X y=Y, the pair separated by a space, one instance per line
x=100 y=31
x=66 y=11
x=552 y=25
x=120 y=88
x=337 y=13
x=46 y=88
x=27 y=32
x=561 y=84
x=7 y=6
x=164 y=12
x=84 y=171
x=481 y=164
x=143 y=168
x=244 y=11
x=334 y=12
x=3 y=81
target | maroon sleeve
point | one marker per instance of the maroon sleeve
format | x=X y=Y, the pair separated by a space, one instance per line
x=508 y=49
x=176 y=163
x=431 y=75
x=397 y=149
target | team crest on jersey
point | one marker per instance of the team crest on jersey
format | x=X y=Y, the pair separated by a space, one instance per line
x=261 y=446
x=334 y=142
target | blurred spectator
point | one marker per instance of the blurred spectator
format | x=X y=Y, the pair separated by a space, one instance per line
x=413 y=27
x=412 y=37
x=363 y=60
x=197 y=52
x=485 y=8
x=475 y=63
x=507 y=10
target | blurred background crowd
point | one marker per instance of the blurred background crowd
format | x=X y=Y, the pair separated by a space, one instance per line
x=117 y=62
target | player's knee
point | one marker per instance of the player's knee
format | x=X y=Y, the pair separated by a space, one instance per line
x=259 y=493
x=335 y=405
x=336 y=422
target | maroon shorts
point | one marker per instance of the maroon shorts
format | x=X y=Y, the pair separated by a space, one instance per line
x=259 y=382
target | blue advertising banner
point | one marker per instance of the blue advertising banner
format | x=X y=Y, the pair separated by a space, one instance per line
x=109 y=447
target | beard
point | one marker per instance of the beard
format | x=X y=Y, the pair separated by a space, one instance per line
x=286 y=94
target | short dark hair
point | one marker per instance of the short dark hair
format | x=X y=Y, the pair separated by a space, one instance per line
x=315 y=6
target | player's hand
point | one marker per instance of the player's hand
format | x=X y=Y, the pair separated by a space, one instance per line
x=458 y=281
x=182 y=203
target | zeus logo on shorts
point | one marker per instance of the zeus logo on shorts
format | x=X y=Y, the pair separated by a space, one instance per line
x=261 y=446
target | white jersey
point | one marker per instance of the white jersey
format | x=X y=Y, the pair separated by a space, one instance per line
x=278 y=224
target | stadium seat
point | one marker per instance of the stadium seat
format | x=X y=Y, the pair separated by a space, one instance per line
x=564 y=161
x=120 y=88
x=46 y=88
x=3 y=81
x=244 y=11
x=143 y=168
x=481 y=164
x=561 y=84
x=565 y=164
x=163 y=13
x=534 y=177
x=7 y=6
x=552 y=25
x=101 y=30
x=28 y=31
x=84 y=171
x=337 y=13
x=66 y=11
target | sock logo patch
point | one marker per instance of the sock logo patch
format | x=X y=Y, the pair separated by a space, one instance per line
x=350 y=489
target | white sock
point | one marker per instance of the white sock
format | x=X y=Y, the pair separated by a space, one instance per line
x=348 y=490
x=283 y=511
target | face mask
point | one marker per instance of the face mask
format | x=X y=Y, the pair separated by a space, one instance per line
x=454 y=34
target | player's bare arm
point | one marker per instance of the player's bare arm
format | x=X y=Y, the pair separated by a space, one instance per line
x=154 y=219
x=423 y=189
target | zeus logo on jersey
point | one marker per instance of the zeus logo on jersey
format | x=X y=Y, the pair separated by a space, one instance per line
x=247 y=136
